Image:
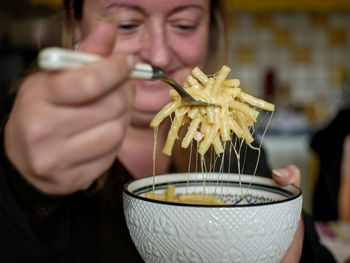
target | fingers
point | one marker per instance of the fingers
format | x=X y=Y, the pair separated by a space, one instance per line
x=76 y=178
x=61 y=153
x=287 y=175
x=58 y=156
x=101 y=41
x=88 y=83
x=102 y=139
x=108 y=108
x=66 y=127
x=94 y=80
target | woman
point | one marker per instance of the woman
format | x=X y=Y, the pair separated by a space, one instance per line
x=74 y=137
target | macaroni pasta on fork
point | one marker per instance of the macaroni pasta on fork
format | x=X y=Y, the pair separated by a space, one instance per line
x=211 y=125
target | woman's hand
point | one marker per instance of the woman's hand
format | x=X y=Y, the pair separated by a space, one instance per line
x=66 y=127
x=285 y=176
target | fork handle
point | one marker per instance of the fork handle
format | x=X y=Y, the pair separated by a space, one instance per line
x=55 y=58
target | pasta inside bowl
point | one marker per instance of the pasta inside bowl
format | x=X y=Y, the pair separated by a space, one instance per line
x=256 y=224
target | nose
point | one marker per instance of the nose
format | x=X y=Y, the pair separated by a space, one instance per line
x=155 y=48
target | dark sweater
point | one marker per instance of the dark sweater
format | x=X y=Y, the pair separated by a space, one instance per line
x=328 y=143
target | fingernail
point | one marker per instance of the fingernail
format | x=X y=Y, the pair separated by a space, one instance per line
x=280 y=172
x=130 y=61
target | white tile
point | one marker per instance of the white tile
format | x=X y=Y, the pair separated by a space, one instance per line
x=338 y=55
x=318 y=38
x=282 y=55
x=283 y=74
x=245 y=20
x=300 y=72
x=264 y=36
x=266 y=56
x=282 y=19
x=301 y=36
x=319 y=55
x=245 y=37
x=300 y=20
x=339 y=19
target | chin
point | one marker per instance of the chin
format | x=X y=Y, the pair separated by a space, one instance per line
x=142 y=120
x=143 y=114
x=148 y=103
x=151 y=97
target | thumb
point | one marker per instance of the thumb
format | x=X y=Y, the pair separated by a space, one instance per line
x=287 y=175
x=101 y=40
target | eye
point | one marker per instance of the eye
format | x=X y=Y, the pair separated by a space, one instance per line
x=127 y=27
x=184 y=26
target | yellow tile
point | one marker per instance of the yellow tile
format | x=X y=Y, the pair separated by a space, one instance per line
x=245 y=54
x=319 y=20
x=337 y=37
x=282 y=36
x=338 y=74
x=263 y=20
x=301 y=55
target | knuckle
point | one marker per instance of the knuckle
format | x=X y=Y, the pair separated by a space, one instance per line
x=115 y=134
x=37 y=131
x=73 y=182
x=120 y=128
x=45 y=164
x=116 y=106
x=42 y=168
x=90 y=84
x=84 y=82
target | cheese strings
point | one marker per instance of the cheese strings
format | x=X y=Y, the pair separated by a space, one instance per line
x=236 y=114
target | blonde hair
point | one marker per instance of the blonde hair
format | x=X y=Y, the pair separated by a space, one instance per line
x=217 y=53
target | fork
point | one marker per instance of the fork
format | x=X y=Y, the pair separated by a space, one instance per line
x=55 y=58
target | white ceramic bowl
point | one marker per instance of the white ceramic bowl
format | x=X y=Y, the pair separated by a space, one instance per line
x=260 y=231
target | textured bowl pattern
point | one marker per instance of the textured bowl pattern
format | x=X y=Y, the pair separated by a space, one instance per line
x=165 y=232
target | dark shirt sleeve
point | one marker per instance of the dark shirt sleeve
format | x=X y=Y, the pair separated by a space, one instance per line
x=32 y=228
x=25 y=238
x=329 y=152
x=251 y=161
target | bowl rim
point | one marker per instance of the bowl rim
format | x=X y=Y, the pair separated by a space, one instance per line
x=276 y=186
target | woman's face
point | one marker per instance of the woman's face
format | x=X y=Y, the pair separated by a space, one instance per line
x=170 y=34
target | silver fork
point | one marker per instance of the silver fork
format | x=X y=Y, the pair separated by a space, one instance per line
x=55 y=58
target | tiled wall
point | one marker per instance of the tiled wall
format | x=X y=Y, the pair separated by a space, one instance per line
x=307 y=54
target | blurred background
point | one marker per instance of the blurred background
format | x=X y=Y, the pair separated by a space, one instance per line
x=25 y=27
x=297 y=55
x=293 y=53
